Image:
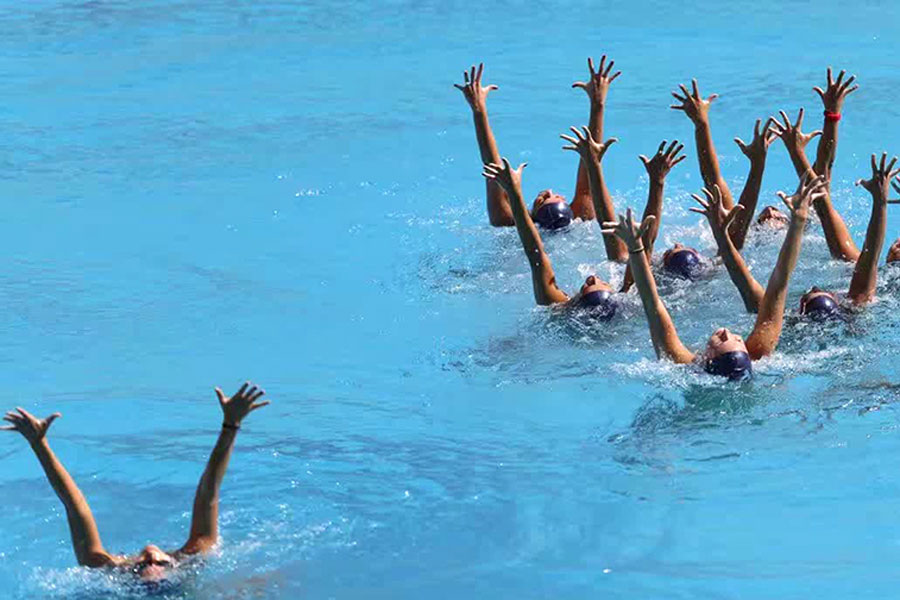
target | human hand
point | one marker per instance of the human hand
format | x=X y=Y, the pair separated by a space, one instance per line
x=835 y=92
x=663 y=161
x=719 y=218
x=759 y=145
x=695 y=107
x=597 y=85
x=811 y=188
x=472 y=89
x=503 y=174
x=794 y=139
x=583 y=143
x=31 y=428
x=626 y=230
x=240 y=405
x=881 y=175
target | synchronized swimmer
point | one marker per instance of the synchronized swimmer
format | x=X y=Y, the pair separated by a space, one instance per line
x=631 y=242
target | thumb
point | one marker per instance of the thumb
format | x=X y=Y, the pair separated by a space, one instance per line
x=221 y=395
x=52 y=418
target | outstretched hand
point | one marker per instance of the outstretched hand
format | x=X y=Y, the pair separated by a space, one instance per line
x=836 y=91
x=597 y=86
x=240 y=405
x=584 y=144
x=794 y=139
x=663 y=161
x=881 y=174
x=762 y=137
x=31 y=428
x=508 y=178
x=811 y=188
x=719 y=218
x=474 y=92
x=695 y=107
x=626 y=229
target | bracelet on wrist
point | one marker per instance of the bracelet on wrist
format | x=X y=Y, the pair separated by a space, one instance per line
x=832 y=116
x=636 y=250
x=232 y=426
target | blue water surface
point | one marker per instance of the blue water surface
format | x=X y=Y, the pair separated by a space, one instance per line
x=197 y=193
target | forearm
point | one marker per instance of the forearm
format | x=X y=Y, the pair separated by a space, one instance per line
x=582 y=202
x=865 y=274
x=204 y=522
x=750 y=290
x=653 y=207
x=827 y=149
x=662 y=330
x=86 y=542
x=709 y=162
x=487 y=145
x=605 y=211
x=749 y=199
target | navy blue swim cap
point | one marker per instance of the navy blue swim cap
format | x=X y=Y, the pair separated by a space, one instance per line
x=821 y=307
x=602 y=302
x=684 y=263
x=554 y=215
x=736 y=365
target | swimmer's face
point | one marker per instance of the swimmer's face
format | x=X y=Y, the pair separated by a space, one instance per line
x=814 y=292
x=152 y=564
x=722 y=342
x=592 y=284
x=894 y=252
x=774 y=218
x=545 y=197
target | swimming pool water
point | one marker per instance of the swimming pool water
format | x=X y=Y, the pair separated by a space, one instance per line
x=200 y=193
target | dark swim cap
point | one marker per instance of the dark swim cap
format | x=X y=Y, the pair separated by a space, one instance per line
x=821 y=307
x=602 y=302
x=554 y=215
x=736 y=366
x=685 y=263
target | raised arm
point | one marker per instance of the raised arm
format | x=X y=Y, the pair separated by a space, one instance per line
x=499 y=212
x=767 y=330
x=543 y=280
x=592 y=152
x=86 y=542
x=697 y=110
x=837 y=235
x=205 y=518
x=657 y=169
x=596 y=87
x=756 y=151
x=720 y=221
x=833 y=96
x=665 y=338
x=865 y=274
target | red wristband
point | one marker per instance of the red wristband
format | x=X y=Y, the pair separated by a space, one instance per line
x=832 y=116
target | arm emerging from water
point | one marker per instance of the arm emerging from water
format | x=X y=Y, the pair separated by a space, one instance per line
x=770 y=318
x=86 y=542
x=833 y=96
x=665 y=338
x=543 y=280
x=719 y=222
x=756 y=151
x=499 y=212
x=697 y=110
x=865 y=274
x=205 y=518
x=596 y=87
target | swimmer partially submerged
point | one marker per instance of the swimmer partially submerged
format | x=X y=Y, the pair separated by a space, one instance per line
x=151 y=563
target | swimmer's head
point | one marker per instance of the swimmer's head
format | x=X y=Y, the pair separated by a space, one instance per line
x=598 y=296
x=819 y=304
x=550 y=211
x=774 y=218
x=893 y=255
x=726 y=355
x=682 y=261
x=152 y=564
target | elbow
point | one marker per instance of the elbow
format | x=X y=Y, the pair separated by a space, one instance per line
x=96 y=560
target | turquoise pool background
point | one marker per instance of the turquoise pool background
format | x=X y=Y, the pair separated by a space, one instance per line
x=199 y=193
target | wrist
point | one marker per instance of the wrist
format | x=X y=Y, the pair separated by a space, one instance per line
x=229 y=426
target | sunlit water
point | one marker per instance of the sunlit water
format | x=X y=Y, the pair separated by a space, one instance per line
x=199 y=193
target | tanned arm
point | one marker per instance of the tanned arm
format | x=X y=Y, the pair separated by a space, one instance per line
x=543 y=279
x=205 y=519
x=665 y=338
x=499 y=211
x=770 y=318
x=697 y=110
x=833 y=96
x=865 y=274
x=86 y=542
x=589 y=201
x=756 y=151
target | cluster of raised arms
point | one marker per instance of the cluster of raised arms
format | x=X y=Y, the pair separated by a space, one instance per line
x=631 y=242
x=151 y=564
